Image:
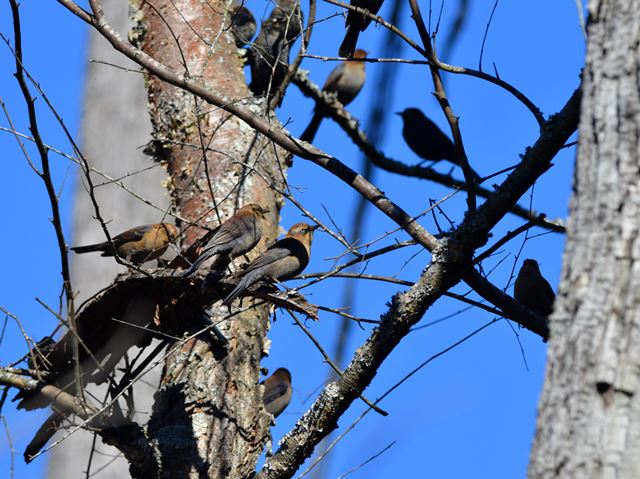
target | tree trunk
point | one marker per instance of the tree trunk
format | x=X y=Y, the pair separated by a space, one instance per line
x=114 y=126
x=208 y=418
x=589 y=413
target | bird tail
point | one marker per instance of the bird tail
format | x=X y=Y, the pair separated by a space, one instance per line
x=348 y=45
x=46 y=431
x=310 y=133
x=90 y=248
x=246 y=281
x=201 y=259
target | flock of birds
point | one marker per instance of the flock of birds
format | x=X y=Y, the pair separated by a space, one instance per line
x=285 y=259
x=268 y=57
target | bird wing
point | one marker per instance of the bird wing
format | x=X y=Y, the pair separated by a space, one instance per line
x=134 y=234
x=331 y=84
x=279 y=250
x=230 y=230
x=548 y=290
x=207 y=236
x=270 y=256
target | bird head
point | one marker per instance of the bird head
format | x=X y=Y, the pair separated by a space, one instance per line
x=302 y=232
x=359 y=53
x=531 y=263
x=241 y=15
x=409 y=114
x=284 y=372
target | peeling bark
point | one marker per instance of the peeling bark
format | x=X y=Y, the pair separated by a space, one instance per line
x=208 y=418
x=589 y=413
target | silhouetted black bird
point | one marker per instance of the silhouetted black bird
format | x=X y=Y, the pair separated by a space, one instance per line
x=357 y=23
x=532 y=290
x=243 y=24
x=269 y=54
x=425 y=138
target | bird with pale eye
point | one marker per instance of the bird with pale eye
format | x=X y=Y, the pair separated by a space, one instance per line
x=137 y=245
x=532 y=290
x=346 y=81
x=285 y=259
x=277 y=391
x=235 y=237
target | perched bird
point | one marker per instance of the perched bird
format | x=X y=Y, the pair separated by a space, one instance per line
x=425 y=138
x=138 y=245
x=356 y=23
x=289 y=14
x=235 y=237
x=269 y=54
x=277 y=391
x=346 y=81
x=243 y=24
x=282 y=261
x=532 y=290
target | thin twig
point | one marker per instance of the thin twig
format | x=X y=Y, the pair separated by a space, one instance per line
x=330 y=362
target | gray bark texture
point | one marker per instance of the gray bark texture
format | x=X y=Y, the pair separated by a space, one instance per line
x=589 y=413
x=114 y=127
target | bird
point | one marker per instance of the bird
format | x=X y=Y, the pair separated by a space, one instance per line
x=346 y=81
x=288 y=12
x=532 y=290
x=235 y=237
x=269 y=54
x=138 y=245
x=277 y=391
x=243 y=24
x=425 y=138
x=283 y=260
x=43 y=435
x=356 y=23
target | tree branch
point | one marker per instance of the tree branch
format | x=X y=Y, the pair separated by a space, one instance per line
x=127 y=436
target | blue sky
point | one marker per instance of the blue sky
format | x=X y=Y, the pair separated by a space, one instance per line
x=469 y=413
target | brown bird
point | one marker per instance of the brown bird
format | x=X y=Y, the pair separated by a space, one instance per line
x=282 y=261
x=356 y=23
x=346 y=81
x=269 y=54
x=237 y=236
x=243 y=24
x=277 y=391
x=138 y=245
x=532 y=290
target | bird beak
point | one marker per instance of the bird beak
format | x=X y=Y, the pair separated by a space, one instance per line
x=315 y=227
x=399 y=113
